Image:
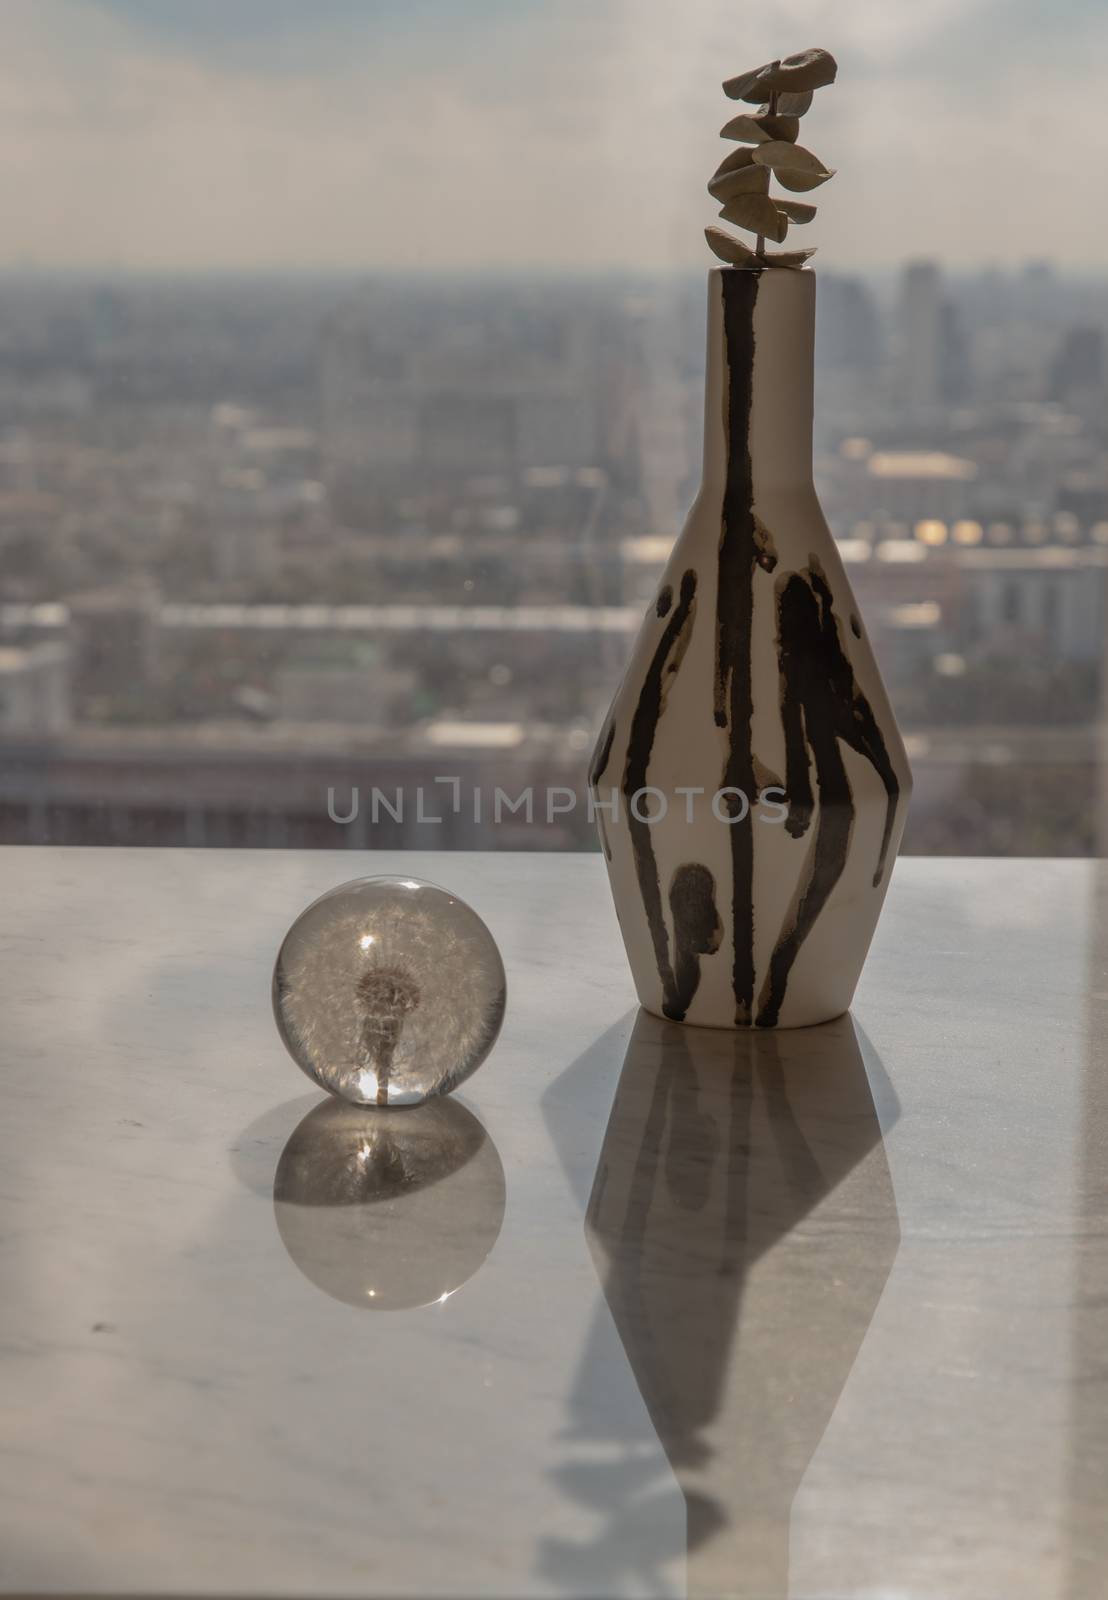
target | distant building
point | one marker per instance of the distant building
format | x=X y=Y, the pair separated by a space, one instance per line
x=919 y=337
x=34 y=689
x=848 y=330
x=342 y=681
x=491 y=387
x=1077 y=374
x=115 y=634
x=955 y=376
x=903 y=486
x=1036 y=291
x=932 y=365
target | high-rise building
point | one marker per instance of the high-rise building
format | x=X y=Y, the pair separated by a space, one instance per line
x=1077 y=374
x=955 y=376
x=932 y=352
x=920 y=337
x=848 y=331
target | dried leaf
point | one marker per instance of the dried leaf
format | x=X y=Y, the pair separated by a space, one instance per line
x=729 y=249
x=734 y=160
x=760 y=129
x=786 y=258
x=799 y=74
x=745 y=180
x=758 y=214
x=794 y=167
x=780 y=153
x=796 y=210
x=795 y=75
x=793 y=105
x=747 y=86
x=801 y=182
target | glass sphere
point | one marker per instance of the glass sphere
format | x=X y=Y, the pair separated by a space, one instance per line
x=389 y=1209
x=388 y=991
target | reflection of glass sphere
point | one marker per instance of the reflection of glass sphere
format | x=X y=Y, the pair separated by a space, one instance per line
x=389 y=1209
x=388 y=991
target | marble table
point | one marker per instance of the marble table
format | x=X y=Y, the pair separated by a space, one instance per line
x=648 y=1311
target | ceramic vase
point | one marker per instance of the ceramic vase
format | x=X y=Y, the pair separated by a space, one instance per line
x=750 y=784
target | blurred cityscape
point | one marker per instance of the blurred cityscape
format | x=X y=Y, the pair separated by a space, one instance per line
x=268 y=545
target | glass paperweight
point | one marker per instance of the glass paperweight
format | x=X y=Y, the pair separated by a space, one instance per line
x=388 y=991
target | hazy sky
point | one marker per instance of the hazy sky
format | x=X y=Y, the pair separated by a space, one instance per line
x=504 y=133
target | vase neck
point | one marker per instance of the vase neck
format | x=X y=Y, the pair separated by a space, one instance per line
x=758 y=384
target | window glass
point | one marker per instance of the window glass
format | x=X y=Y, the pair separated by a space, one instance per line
x=351 y=388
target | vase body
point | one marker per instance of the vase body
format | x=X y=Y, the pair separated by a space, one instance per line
x=749 y=783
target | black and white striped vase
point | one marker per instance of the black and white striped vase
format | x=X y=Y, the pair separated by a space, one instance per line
x=750 y=783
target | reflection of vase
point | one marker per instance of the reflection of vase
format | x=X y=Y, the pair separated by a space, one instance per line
x=751 y=673
x=743 y=1226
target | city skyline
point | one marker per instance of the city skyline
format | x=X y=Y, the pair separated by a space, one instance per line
x=266 y=135
x=267 y=537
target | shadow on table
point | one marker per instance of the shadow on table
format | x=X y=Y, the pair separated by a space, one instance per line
x=382 y=1209
x=743 y=1224
x=255 y=1152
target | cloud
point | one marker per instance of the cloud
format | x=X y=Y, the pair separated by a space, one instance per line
x=574 y=133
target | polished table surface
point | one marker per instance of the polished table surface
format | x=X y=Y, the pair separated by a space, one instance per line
x=643 y=1310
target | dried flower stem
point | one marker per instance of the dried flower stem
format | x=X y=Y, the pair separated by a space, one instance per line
x=760 y=244
x=782 y=91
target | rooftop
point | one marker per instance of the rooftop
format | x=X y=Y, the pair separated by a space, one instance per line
x=920 y=464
